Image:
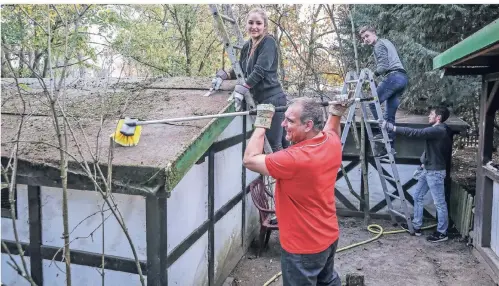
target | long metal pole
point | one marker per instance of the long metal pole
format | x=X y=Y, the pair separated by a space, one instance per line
x=221 y=115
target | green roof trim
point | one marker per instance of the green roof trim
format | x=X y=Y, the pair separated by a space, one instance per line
x=481 y=39
x=193 y=151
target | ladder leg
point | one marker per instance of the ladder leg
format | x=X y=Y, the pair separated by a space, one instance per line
x=395 y=178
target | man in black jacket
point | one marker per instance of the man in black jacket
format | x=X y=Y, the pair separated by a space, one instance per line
x=437 y=151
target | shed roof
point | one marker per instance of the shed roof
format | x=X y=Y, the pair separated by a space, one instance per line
x=164 y=151
x=477 y=54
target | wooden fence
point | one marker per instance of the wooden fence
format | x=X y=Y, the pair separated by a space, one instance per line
x=470 y=140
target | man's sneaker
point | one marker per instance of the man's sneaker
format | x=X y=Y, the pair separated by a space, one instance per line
x=380 y=151
x=417 y=232
x=437 y=237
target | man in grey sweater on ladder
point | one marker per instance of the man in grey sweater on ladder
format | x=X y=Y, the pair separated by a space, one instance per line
x=395 y=79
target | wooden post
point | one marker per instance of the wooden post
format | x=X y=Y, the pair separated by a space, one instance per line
x=484 y=185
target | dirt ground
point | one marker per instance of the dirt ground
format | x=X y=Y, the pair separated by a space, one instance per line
x=394 y=259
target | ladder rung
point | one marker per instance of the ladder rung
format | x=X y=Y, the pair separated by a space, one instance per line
x=389 y=178
x=383 y=160
x=378 y=140
x=386 y=157
x=398 y=213
x=392 y=195
x=239 y=47
x=227 y=18
x=352 y=81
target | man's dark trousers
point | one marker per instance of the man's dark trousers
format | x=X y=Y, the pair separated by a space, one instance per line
x=310 y=269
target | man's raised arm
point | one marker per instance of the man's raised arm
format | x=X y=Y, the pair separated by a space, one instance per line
x=254 y=158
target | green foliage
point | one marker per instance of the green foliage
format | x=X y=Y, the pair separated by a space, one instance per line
x=26 y=29
x=420 y=32
x=179 y=40
x=173 y=40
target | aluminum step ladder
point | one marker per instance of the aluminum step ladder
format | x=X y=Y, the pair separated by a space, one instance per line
x=352 y=81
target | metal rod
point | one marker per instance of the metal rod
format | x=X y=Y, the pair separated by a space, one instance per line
x=222 y=115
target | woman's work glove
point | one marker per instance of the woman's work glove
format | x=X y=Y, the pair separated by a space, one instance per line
x=238 y=94
x=220 y=76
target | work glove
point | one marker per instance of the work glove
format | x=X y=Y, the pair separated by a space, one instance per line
x=264 y=114
x=238 y=94
x=220 y=76
x=344 y=102
x=383 y=124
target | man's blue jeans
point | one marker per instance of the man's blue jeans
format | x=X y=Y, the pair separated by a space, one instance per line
x=390 y=90
x=310 y=269
x=433 y=181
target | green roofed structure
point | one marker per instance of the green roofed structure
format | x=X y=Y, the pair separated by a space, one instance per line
x=478 y=54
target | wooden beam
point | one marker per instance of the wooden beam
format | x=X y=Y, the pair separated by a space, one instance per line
x=485 y=51
x=486 y=130
x=485 y=254
x=156 y=238
x=463 y=70
x=490 y=173
x=350 y=213
x=491 y=76
x=35 y=233
x=493 y=100
x=484 y=186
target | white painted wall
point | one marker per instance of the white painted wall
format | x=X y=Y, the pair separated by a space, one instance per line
x=9 y=275
x=494 y=232
x=187 y=207
x=192 y=267
x=227 y=238
x=188 y=210
x=53 y=275
x=22 y=222
x=85 y=217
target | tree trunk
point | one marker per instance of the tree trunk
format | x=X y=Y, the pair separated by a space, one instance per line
x=62 y=140
x=187 y=43
x=45 y=66
x=330 y=10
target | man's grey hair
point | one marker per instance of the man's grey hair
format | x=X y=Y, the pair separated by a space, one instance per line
x=311 y=110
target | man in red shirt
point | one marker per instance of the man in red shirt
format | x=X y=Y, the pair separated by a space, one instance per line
x=305 y=176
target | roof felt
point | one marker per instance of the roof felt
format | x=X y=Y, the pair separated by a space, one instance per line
x=93 y=110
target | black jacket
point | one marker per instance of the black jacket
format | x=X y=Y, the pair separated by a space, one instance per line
x=438 y=146
x=260 y=70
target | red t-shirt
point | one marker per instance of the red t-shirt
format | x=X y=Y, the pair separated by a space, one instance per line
x=305 y=176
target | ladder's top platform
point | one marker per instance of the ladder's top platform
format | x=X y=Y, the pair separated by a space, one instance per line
x=87 y=103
